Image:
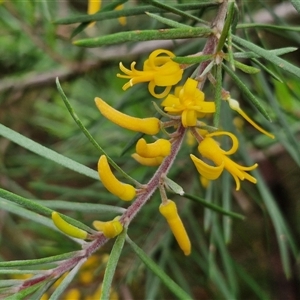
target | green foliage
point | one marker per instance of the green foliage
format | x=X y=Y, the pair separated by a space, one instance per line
x=54 y=63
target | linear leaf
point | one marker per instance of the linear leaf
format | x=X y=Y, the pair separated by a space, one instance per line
x=144 y=35
x=214 y=207
x=112 y=265
x=39 y=261
x=296 y=4
x=46 y=152
x=140 y=10
x=83 y=207
x=169 y=283
x=66 y=281
x=266 y=54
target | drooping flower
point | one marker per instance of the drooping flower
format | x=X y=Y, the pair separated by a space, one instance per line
x=189 y=103
x=158 y=70
x=210 y=149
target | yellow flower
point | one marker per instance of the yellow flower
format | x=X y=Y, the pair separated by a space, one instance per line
x=169 y=211
x=157 y=70
x=210 y=149
x=189 y=103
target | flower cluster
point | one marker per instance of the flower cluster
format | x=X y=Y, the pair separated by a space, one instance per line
x=184 y=110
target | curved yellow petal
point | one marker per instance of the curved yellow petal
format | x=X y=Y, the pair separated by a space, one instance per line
x=122 y=190
x=164 y=93
x=145 y=125
x=235 y=142
x=169 y=211
x=207 y=171
x=149 y=162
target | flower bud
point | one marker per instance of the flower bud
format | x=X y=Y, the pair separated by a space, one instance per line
x=122 y=190
x=169 y=211
x=67 y=228
x=111 y=228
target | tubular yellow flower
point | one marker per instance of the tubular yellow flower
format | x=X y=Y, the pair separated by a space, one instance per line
x=169 y=211
x=210 y=149
x=110 y=229
x=149 y=162
x=189 y=104
x=157 y=70
x=67 y=228
x=160 y=147
x=234 y=105
x=146 y=125
x=122 y=190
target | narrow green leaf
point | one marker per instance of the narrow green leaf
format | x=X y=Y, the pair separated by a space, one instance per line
x=18 y=271
x=173 y=9
x=66 y=281
x=166 y=21
x=296 y=4
x=247 y=92
x=214 y=207
x=34 y=207
x=267 y=26
x=46 y=152
x=192 y=59
x=218 y=95
x=279 y=51
x=39 y=261
x=169 y=283
x=139 y=10
x=245 y=68
x=269 y=56
x=26 y=292
x=226 y=27
x=144 y=35
x=83 y=207
x=112 y=265
x=230 y=49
